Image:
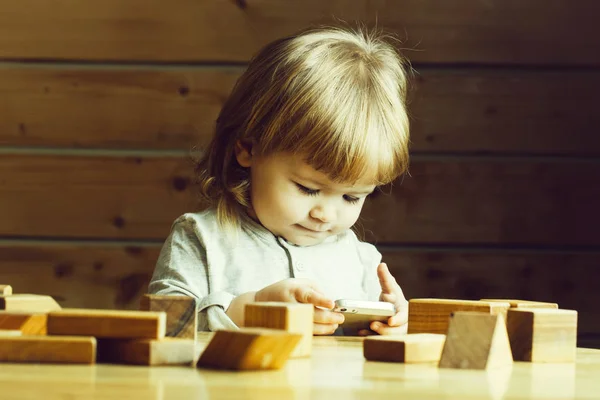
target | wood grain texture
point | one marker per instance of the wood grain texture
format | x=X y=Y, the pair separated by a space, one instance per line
x=542 y=335
x=6 y=290
x=182 y=313
x=433 y=315
x=28 y=303
x=166 y=351
x=249 y=349
x=466 y=32
x=292 y=318
x=526 y=202
x=411 y=348
x=520 y=111
x=525 y=303
x=108 y=323
x=48 y=349
x=27 y=323
x=476 y=341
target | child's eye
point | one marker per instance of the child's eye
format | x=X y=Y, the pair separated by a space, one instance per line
x=350 y=199
x=305 y=190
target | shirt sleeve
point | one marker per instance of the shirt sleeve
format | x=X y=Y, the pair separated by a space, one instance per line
x=370 y=258
x=182 y=269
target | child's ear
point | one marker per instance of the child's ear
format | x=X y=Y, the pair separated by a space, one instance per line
x=243 y=153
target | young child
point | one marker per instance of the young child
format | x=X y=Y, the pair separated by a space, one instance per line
x=312 y=127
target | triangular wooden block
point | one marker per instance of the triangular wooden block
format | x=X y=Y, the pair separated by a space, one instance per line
x=476 y=341
x=249 y=349
x=6 y=290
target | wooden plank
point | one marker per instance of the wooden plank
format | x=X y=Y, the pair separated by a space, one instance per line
x=520 y=111
x=81 y=275
x=447 y=201
x=167 y=351
x=166 y=108
x=105 y=275
x=469 y=31
x=48 y=349
x=108 y=323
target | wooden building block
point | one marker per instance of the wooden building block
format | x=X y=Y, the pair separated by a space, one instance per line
x=166 y=351
x=249 y=349
x=411 y=348
x=108 y=323
x=29 y=303
x=182 y=313
x=48 y=349
x=543 y=335
x=433 y=315
x=291 y=317
x=27 y=323
x=6 y=290
x=476 y=341
x=524 y=303
x=10 y=332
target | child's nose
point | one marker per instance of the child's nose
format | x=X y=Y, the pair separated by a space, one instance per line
x=323 y=213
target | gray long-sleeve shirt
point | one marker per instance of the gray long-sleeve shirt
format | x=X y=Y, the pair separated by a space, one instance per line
x=199 y=260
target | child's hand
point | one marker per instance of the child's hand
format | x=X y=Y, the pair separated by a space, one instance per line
x=304 y=291
x=392 y=293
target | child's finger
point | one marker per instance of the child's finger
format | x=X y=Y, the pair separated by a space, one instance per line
x=384 y=329
x=324 y=329
x=306 y=294
x=386 y=280
x=400 y=318
x=328 y=317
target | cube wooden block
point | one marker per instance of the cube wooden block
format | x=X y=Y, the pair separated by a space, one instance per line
x=411 y=348
x=524 y=303
x=167 y=351
x=26 y=323
x=543 y=335
x=476 y=341
x=108 y=323
x=182 y=313
x=48 y=349
x=433 y=315
x=6 y=290
x=28 y=303
x=293 y=318
x=249 y=349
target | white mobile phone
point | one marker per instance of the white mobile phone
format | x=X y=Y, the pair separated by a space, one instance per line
x=359 y=314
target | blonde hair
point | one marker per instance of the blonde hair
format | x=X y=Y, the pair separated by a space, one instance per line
x=335 y=95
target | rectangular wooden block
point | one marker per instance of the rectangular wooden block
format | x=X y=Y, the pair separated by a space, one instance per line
x=411 y=348
x=167 y=351
x=433 y=315
x=249 y=349
x=27 y=323
x=6 y=290
x=182 y=313
x=543 y=335
x=108 y=323
x=524 y=303
x=291 y=317
x=28 y=303
x=48 y=349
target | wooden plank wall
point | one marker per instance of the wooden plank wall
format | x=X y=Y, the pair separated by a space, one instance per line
x=102 y=102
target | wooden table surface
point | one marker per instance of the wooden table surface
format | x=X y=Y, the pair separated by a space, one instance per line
x=336 y=371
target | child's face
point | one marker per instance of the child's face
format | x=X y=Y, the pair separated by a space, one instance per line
x=299 y=203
